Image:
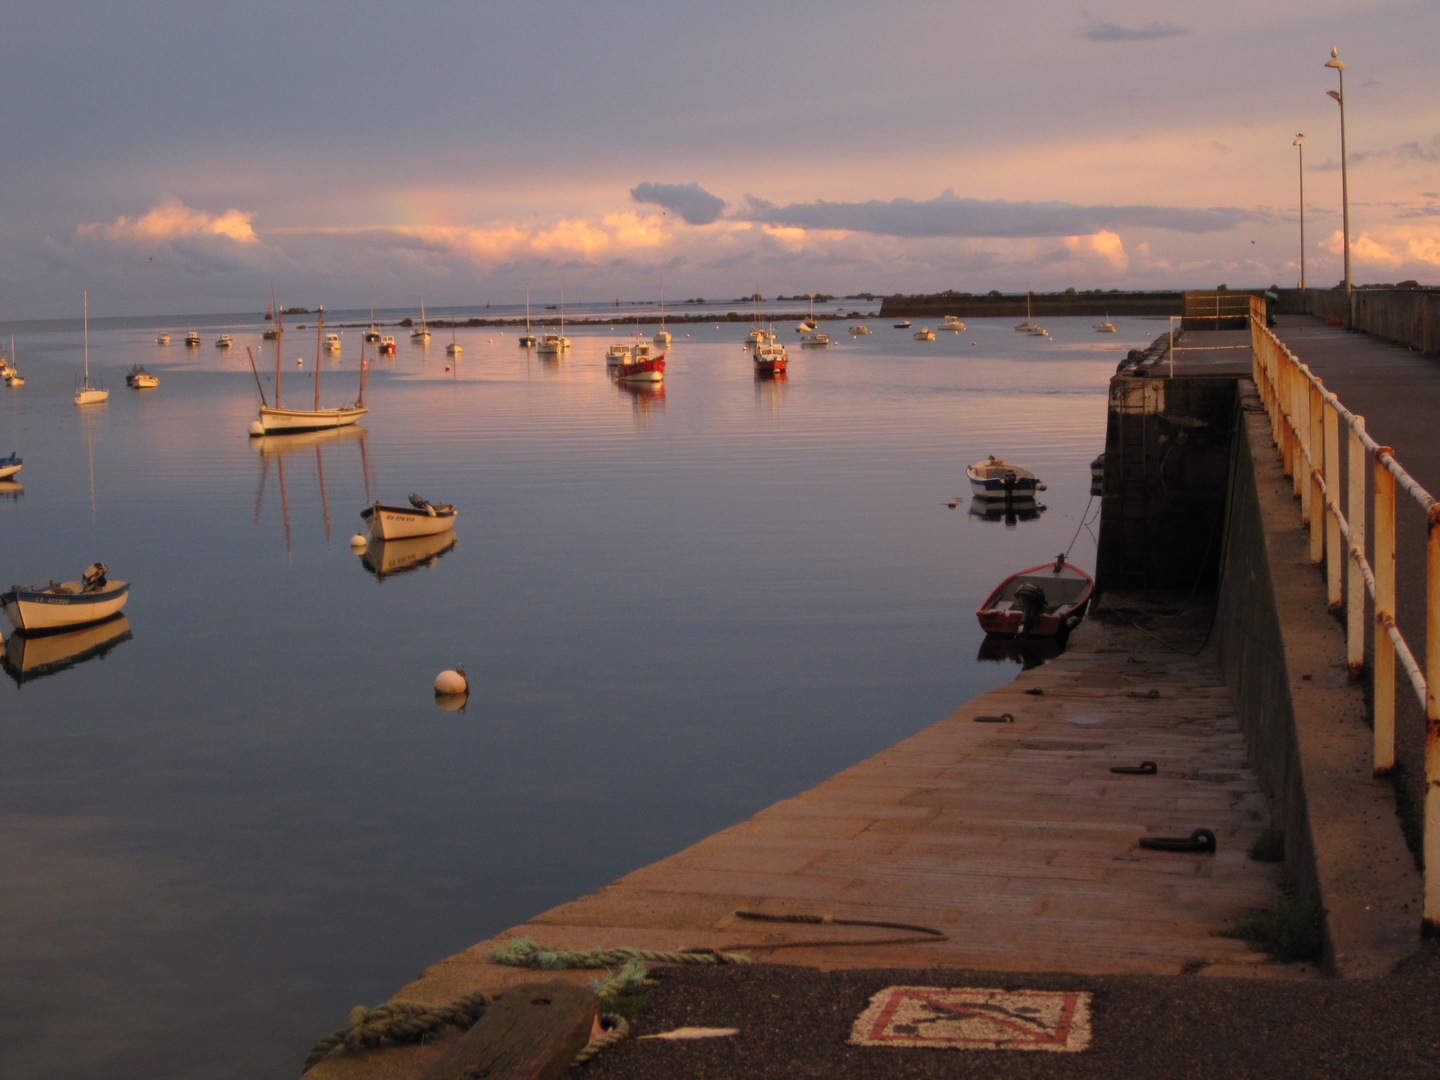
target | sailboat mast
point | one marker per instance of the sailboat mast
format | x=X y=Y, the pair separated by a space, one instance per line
x=279 y=350
x=86 y=302
x=527 y=309
x=319 y=341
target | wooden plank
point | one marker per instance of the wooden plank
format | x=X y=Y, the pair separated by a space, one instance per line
x=532 y=1033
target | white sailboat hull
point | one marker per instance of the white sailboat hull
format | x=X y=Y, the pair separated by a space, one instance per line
x=282 y=421
x=90 y=396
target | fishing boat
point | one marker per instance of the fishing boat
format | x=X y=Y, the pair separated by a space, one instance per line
x=903 y=324
x=422 y=332
x=332 y=342
x=528 y=341
x=1106 y=327
x=36 y=609
x=29 y=657
x=223 y=341
x=162 y=339
x=276 y=420
x=192 y=339
x=371 y=334
x=140 y=379
x=662 y=336
x=86 y=394
x=950 y=322
x=1042 y=601
x=386 y=558
x=1028 y=326
x=648 y=370
x=622 y=353
x=9 y=466
x=861 y=329
x=387 y=345
x=770 y=358
x=420 y=518
x=996 y=479
x=924 y=334
x=817 y=340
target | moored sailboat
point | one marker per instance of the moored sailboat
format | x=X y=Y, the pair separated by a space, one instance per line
x=275 y=420
x=87 y=394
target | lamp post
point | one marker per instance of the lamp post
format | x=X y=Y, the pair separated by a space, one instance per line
x=1339 y=96
x=1300 y=143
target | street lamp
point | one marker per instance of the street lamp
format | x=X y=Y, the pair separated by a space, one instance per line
x=1339 y=96
x=1300 y=142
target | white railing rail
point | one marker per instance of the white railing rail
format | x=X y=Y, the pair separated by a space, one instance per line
x=1305 y=421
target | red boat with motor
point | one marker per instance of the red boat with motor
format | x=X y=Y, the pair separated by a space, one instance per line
x=770 y=358
x=650 y=370
x=1040 y=602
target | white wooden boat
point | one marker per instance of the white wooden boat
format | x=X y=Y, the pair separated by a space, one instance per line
x=996 y=479
x=924 y=334
x=454 y=349
x=9 y=466
x=223 y=341
x=192 y=339
x=622 y=353
x=861 y=329
x=28 y=657
x=420 y=518
x=86 y=394
x=332 y=342
x=162 y=339
x=1042 y=601
x=950 y=322
x=552 y=344
x=140 y=379
x=1106 y=327
x=14 y=378
x=64 y=605
x=758 y=336
x=277 y=420
x=817 y=340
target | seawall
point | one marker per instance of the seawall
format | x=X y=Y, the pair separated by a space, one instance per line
x=1409 y=317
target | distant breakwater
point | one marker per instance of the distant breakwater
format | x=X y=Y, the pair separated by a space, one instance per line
x=629 y=320
x=964 y=305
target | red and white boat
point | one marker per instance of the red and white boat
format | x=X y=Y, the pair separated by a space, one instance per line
x=650 y=370
x=769 y=357
x=1040 y=602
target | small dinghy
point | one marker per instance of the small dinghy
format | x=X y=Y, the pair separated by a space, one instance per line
x=1040 y=602
x=9 y=466
x=140 y=379
x=420 y=518
x=38 y=609
x=996 y=479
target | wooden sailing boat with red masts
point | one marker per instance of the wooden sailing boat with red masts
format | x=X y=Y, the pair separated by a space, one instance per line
x=275 y=420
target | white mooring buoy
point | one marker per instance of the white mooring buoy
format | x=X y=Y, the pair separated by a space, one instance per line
x=358 y=541
x=452 y=682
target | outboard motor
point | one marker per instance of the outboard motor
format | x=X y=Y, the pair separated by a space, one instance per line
x=417 y=502
x=1031 y=600
x=94 y=576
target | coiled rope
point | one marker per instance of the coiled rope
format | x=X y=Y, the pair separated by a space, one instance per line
x=522 y=952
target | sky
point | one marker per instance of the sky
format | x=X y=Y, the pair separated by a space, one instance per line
x=177 y=158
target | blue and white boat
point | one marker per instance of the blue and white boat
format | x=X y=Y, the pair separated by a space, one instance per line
x=39 y=609
x=996 y=479
x=9 y=466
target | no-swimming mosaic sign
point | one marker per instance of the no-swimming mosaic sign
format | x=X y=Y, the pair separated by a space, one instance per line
x=975 y=1019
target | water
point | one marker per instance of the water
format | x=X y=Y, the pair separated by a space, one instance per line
x=674 y=610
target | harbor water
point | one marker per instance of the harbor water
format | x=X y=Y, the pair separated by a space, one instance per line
x=242 y=813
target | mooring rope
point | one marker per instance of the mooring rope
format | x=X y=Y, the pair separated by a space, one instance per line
x=619 y=1028
x=522 y=952
x=399 y=1022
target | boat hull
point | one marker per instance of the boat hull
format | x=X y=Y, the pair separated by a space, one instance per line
x=290 y=421
x=37 y=611
x=92 y=397
x=998 y=480
x=10 y=466
x=1067 y=593
x=405 y=522
x=642 y=371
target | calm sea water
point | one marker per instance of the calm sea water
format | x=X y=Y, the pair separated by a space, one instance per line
x=674 y=610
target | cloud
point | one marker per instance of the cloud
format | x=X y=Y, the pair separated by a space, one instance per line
x=1108 y=31
x=1391 y=250
x=949 y=215
x=169 y=220
x=692 y=202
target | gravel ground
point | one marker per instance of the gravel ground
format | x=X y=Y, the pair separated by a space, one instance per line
x=794 y=1022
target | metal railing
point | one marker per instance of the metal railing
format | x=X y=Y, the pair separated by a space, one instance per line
x=1305 y=421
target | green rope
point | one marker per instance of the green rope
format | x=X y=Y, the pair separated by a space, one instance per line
x=522 y=952
x=399 y=1022
x=619 y=1027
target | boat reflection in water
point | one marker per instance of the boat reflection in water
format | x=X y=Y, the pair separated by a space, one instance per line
x=1028 y=652
x=279 y=447
x=1011 y=511
x=645 y=396
x=27 y=658
x=11 y=489
x=386 y=558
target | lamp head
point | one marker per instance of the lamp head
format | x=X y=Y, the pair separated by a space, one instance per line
x=1299 y=139
x=1335 y=61
x=1336 y=95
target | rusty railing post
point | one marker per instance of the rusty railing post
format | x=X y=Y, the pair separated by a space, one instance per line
x=1355 y=580
x=1315 y=414
x=1335 y=555
x=1287 y=411
x=1431 y=840
x=1383 y=678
